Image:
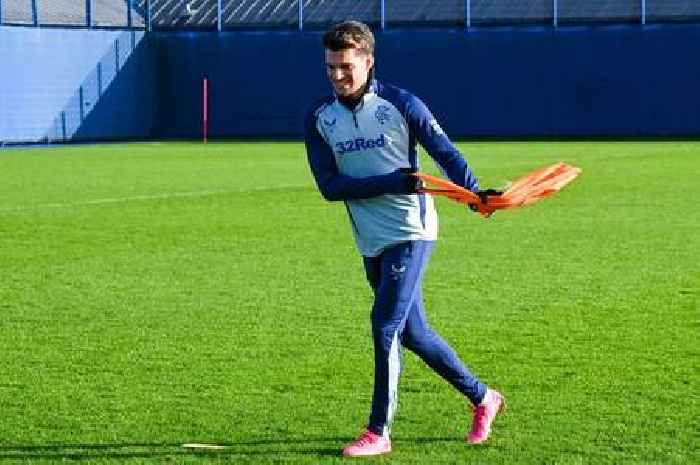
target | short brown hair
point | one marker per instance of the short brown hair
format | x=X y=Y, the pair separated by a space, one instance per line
x=349 y=34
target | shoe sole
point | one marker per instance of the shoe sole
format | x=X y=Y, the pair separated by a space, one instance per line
x=367 y=455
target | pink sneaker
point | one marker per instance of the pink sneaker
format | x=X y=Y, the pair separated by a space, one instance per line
x=484 y=415
x=367 y=444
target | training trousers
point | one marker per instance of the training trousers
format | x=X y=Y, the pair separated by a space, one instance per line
x=398 y=319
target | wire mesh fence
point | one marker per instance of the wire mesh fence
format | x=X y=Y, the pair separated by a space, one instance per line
x=503 y=12
x=16 y=12
x=63 y=12
x=574 y=11
x=74 y=13
x=311 y=14
x=114 y=14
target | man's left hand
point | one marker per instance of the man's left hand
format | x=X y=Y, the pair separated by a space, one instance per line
x=485 y=193
x=484 y=197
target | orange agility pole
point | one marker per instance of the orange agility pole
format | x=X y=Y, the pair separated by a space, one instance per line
x=528 y=189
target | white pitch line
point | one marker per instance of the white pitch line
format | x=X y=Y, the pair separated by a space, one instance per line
x=136 y=198
x=205 y=446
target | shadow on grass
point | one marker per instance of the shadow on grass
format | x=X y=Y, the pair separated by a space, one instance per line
x=321 y=447
x=310 y=446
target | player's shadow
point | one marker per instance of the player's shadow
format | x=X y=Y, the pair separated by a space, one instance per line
x=309 y=446
x=316 y=446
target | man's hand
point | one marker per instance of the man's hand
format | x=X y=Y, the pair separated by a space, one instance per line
x=415 y=182
x=484 y=196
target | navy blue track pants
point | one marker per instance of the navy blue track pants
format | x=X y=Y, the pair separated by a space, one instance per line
x=398 y=319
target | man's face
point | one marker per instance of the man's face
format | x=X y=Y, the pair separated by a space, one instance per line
x=348 y=70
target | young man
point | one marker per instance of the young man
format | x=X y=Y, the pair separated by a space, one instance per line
x=361 y=146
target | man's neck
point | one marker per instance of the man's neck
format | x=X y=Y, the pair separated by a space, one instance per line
x=351 y=101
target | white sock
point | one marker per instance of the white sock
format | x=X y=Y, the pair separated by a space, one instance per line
x=488 y=397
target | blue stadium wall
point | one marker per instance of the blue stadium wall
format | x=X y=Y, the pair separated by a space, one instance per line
x=77 y=83
x=626 y=80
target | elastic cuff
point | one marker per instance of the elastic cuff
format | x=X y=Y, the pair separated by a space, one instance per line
x=375 y=430
x=478 y=395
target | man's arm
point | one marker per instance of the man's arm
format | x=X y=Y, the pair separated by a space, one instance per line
x=336 y=186
x=431 y=136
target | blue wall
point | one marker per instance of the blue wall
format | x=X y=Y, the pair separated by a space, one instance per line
x=259 y=82
x=127 y=107
x=42 y=72
x=628 y=80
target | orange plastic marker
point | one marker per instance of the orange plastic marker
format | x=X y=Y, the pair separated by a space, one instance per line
x=526 y=190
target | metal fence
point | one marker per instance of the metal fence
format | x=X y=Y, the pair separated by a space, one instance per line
x=313 y=14
x=74 y=13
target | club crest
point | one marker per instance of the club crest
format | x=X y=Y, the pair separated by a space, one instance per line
x=382 y=114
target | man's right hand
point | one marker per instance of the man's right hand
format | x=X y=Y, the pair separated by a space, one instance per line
x=414 y=182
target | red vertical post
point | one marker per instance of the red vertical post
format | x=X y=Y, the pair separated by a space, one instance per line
x=205 y=109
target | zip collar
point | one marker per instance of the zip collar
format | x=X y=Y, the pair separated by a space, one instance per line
x=356 y=104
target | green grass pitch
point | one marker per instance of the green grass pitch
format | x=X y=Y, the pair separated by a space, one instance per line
x=159 y=294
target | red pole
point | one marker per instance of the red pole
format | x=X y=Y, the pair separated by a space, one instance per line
x=205 y=109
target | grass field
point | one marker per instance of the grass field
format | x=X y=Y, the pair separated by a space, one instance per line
x=158 y=294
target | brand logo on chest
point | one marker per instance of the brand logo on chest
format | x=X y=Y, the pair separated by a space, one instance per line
x=358 y=144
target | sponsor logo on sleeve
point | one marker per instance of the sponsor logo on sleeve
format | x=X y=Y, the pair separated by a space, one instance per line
x=437 y=130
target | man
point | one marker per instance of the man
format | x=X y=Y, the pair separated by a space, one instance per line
x=361 y=146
